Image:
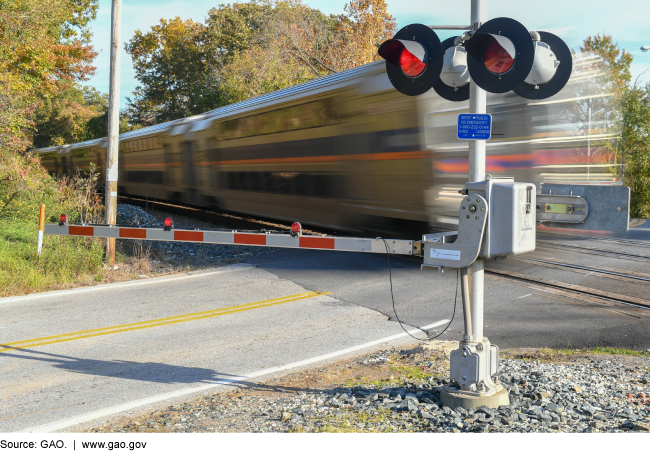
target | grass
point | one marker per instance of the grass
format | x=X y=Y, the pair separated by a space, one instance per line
x=347 y=420
x=549 y=354
x=593 y=351
x=64 y=260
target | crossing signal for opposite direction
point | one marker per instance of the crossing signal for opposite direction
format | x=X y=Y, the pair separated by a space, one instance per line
x=500 y=56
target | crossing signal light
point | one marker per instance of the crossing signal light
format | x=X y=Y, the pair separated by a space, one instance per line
x=551 y=69
x=413 y=59
x=168 y=224
x=500 y=55
x=63 y=220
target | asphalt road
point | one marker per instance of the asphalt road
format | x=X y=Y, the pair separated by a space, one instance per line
x=88 y=351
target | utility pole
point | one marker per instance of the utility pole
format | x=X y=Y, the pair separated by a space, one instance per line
x=112 y=149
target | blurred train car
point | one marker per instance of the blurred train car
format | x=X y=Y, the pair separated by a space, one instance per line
x=346 y=151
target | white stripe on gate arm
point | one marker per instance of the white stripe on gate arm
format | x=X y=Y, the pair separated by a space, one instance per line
x=58 y=425
x=356 y=244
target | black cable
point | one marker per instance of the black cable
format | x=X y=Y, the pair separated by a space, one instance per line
x=390 y=278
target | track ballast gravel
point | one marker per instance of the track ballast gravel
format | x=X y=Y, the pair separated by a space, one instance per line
x=600 y=393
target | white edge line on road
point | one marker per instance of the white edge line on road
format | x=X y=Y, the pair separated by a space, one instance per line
x=139 y=282
x=58 y=425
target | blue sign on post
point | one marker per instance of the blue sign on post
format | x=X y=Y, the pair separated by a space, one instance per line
x=474 y=127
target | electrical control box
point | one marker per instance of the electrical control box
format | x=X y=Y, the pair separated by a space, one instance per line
x=510 y=226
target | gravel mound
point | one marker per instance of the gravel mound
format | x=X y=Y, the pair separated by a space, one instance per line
x=195 y=254
x=609 y=394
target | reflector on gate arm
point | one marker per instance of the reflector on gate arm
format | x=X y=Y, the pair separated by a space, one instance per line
x=607 y=207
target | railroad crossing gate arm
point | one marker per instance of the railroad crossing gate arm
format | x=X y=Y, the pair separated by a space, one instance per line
x=355 y=244
x=593 y=207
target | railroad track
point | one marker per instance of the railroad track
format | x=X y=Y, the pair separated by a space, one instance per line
x=223 y=219
x=579 y=292
x=595 y=251
x=603 y=239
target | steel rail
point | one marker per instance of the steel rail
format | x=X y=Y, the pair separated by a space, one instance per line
x=604 y=239
x=571 y=288
x=586 y=249
x=579 y=267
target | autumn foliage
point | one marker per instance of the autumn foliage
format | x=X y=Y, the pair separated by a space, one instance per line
x=247 y=49
x=43 y=44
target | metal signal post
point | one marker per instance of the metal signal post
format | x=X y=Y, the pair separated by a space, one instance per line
x=112 y=151
x=477 y=156
x=497 y=216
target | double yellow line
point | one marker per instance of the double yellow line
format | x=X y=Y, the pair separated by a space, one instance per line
x=154 y=323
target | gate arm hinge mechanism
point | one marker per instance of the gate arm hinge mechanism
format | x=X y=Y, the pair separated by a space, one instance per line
x=458 y=249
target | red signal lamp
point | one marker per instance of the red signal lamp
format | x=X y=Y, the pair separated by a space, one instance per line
x=410 y=64
x=296 y=229
x=63 y=220
x=498 y=55
x=413 y=59
x=169 y=224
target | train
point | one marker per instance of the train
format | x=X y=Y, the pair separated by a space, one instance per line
x=347 y=152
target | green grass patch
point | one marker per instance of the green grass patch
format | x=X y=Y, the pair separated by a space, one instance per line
x=351 y=421
x=549 y=354
x=64 y=260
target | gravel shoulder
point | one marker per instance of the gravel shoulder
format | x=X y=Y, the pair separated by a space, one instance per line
x=397 y=390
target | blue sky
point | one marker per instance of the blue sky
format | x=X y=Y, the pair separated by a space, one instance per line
x=572 y=20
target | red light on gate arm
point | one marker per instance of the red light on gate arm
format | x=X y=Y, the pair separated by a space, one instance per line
x=497 y=59
x=63 y=219
x=410 y=64
x=296 y=229
x=169 y=223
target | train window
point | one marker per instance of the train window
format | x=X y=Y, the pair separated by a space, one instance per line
x=85 y=152
x=143 y=177
x=312 y=114
x=321 y=185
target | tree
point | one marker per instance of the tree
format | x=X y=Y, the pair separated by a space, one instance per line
x=41 y=43
x=634 y=146
x=617 y=61
x=172 y=65
x=248 y=49
x=67 y=116
x=626 y=113
x=301 y=43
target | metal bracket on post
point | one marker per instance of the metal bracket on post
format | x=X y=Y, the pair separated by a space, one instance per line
x=458 y=249
x=593 y=207
x=563 y=209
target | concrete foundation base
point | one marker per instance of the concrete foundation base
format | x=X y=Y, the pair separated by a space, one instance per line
x=454 y=400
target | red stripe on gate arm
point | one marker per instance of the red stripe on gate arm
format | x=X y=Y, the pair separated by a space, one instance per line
x=88 y=231
x=317 y=242
x=133 y=233
x=250 y=239
x=188 y=236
